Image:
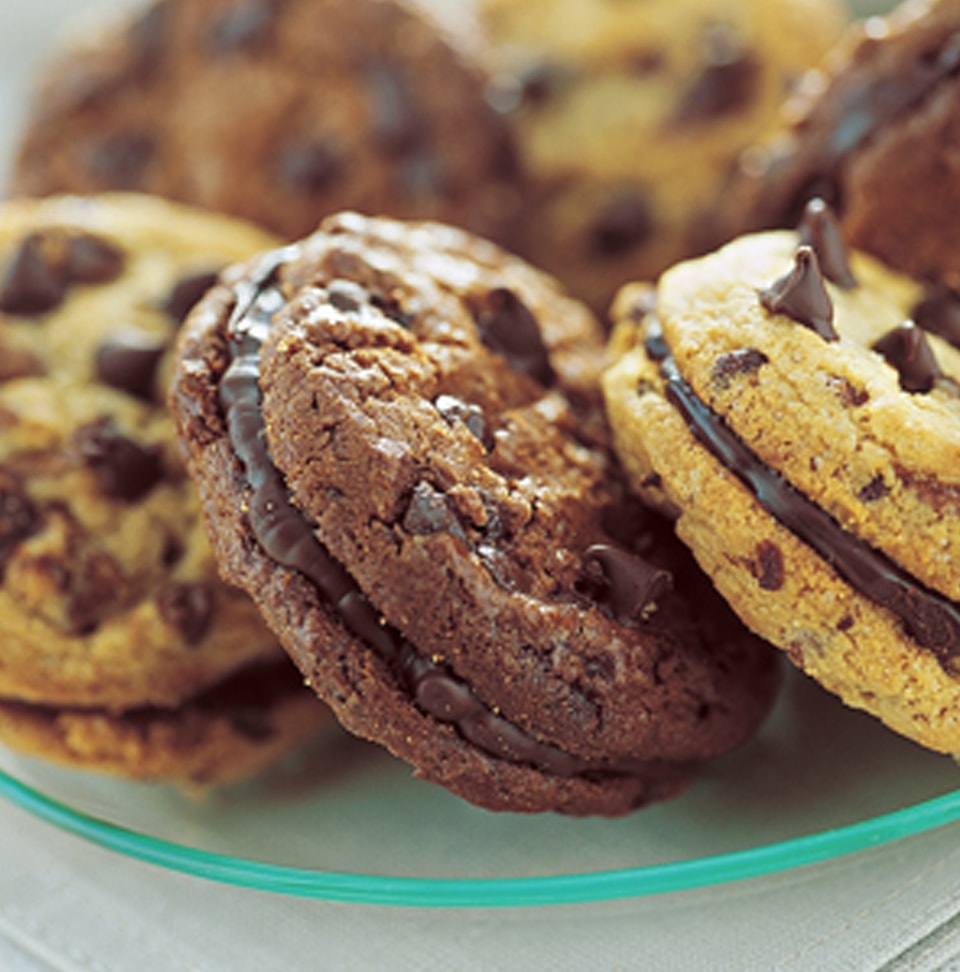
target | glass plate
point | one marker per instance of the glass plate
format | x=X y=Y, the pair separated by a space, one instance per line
x=343 y=821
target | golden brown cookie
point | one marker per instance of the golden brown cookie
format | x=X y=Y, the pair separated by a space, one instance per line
x=109 y=594
x=276 y=111
x=222 y=735
x=628 y=116
x=778 y=399
x=876 y=133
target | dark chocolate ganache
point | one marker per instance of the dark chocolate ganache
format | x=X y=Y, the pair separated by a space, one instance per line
x=931 y=619
x=288 y=538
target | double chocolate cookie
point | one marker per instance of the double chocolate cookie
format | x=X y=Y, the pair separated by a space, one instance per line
x=779 y=398
x=396 y=431
x=276 y=111
x=110 y=601
x=628 y=117
x=876 y=134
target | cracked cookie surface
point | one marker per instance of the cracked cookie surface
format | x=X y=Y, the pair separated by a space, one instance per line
x=397 y=432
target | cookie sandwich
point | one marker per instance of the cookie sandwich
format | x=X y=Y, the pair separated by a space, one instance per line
x=120 y=648
x=780 y=400
x=397 y=432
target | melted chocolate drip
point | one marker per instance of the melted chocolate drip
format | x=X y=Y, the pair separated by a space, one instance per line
x=907 y=349
x=931 y=619
x=820 y=229
x=288 y=538
x=633 y=584
x=802 y=296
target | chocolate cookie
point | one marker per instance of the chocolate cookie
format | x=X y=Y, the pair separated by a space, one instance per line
x=277 y=111
x=629 y=115
x=876 y=135
x=109 y=595
x=222 y=735
x=394 y=429
x=778 y=397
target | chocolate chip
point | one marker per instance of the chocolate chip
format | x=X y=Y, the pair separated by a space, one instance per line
x=420 y=177
x=646 y=60
x=186 y=292
x=188 y=609
x=19 y=518
x=455 y=411
x=939 y=313
x=727 y=82
x=509 y=328
x=90 y=259
x=148 y=35
x=428 y=512
x=120 y=160
x=845 y=623
x=124 y=469
x=390 y=307
x=624 y=223
x=346 y=296
x=875 y=490
x=244 y=27
x=819 y=228
x=397 y=123
x=906 y=348
x=20 y=363
x=631 y=585
x=734 y=364
x=849 y=395
x=539 y=83
x=768 y=567
x=311 y=167
x=128 y=360
x=802 y=296
x=35 y=280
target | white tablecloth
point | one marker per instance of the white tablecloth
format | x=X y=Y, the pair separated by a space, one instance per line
x=70 y=906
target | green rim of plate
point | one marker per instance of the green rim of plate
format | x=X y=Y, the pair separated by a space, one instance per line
x=376 y=889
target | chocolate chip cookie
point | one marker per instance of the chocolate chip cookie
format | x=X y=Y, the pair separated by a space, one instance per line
x=876 y=135
x=109 y=594
x=628 y=116
x=276 y=111
x=779 y=398
x=227 y=733
x=394 y=430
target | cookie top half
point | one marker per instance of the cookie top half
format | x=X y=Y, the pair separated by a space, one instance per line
x=276 y=111
x=874 y=133
x=109 y=594
x=394 y=427
x=789 y=410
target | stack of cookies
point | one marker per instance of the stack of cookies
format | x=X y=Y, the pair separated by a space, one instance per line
x=311 y=399
x=122 y=650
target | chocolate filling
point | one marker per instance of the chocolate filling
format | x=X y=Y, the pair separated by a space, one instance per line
x=931 y=619
x=287 y=537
